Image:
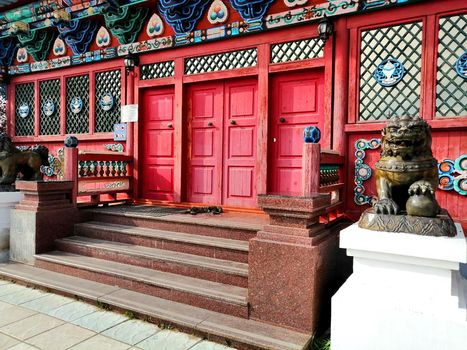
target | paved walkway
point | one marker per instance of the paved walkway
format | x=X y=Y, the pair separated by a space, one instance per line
x=31 y=319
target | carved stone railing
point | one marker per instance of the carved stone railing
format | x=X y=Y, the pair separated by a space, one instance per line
x=98 y=177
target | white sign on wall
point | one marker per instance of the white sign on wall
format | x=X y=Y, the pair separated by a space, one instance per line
x=129 y=114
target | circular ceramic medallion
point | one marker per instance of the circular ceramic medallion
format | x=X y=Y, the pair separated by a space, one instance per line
x=48 y=107
x=76 y=105
x=389 y=72
x=446 y=182
x=364 y=172
x=106 y=102
x=461 y=65
x=460 y=186
x=23 y=110
x=446 y=166
x=461 y=163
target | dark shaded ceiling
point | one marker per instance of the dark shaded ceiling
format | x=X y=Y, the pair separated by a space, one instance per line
x=9 y=4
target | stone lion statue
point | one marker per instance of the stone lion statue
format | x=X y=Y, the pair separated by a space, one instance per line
x=407 y=172
x=27 y=163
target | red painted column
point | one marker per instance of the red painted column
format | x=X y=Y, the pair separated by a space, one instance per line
x=341 y=83
x=130 y=98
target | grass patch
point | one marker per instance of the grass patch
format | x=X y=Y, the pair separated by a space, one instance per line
x=323 y=343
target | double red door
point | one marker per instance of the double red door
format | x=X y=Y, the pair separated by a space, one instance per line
x=222 y=140
x=157 y=141
x=297 y=101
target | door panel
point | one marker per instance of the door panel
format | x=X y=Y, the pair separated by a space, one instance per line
x=205 y=142
x=297 y=102
x=240 y=143
x=222 y=143
x=157 y=171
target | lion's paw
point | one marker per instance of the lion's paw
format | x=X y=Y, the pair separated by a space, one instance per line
x=386 y=206
x=421 y=187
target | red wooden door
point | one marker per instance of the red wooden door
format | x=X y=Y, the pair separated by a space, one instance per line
x=297 y=102
x=240 y=119
x=222 y=143
x=205 y=143
x=157 y=165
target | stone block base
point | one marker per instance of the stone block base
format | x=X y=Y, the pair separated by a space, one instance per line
x=287 y=280
x=406 y=292
x=8 y=200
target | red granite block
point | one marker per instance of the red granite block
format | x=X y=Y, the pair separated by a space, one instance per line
x=287 y=281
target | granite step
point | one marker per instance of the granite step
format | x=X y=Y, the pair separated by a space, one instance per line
x=216 y=270
x=228 y=225
x=213 y=247
x=214 y=296
x=238 y=332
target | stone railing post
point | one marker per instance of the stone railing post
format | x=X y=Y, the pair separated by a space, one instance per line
x=71 y=164
x=291 y=261
x=311 y=161
x=46 y=213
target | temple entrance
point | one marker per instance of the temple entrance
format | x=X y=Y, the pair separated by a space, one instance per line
x=297 y=101
x=157 y=171
x=222 y=119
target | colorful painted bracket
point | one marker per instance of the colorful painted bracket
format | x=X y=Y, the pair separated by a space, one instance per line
x=362 y=170
x=453 y=175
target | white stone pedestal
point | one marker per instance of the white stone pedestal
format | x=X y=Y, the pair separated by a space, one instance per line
x=406 y=293
x=8 y=200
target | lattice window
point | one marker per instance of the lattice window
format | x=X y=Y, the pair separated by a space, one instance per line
x=24 y=109
x=297 y=50
x=77 y=120
x=49 y=122
x=222 y=61
x=403 y=42
x=451 y=89
x=108 y=84
x=157 y=70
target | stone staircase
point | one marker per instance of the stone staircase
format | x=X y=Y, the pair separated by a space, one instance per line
x=189 y=271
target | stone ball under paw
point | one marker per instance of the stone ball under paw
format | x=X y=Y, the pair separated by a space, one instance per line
x=422 y=205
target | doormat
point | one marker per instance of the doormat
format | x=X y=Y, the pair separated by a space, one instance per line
x=151 y=210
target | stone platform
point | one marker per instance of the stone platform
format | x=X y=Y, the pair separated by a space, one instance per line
x=406 y=292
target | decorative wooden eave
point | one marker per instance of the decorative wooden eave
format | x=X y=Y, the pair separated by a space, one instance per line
x=125 y=22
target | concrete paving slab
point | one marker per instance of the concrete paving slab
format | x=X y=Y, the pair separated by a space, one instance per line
x=47 y=303
x=169 y=340
x=10 y=288
x=100 y=321
x=31 y=326
x=102 y=343
x=7 y=342
x=23 y=296
x=23 y=346
x=61 y=337
x=72 y=311
x=14 y=314
x=132 y=331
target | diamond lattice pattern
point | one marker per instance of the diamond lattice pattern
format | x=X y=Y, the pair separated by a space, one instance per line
x=50 y=90
x=222 y=61
x=297 y=50
x=78 y=86
x=403 y=42
x=157 y=70
x=109 y=82
x=24 y=95
x=451 y=89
